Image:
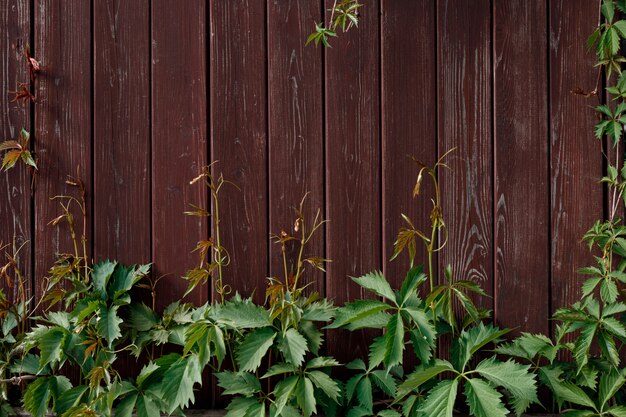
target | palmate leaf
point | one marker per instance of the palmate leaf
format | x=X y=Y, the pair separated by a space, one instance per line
x=483 y=400
x=440 y=400
x=294 y=346
x=515 y=378
x=253 y=349
x=376 y=282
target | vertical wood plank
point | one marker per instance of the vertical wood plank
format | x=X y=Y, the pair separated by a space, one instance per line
x=179 y=142
x=295 y=118
x=239 y=138
x=465 y=123
x=522 y=165
x=575 y=156
x=62 y=122
x=353 y=181
x=122 y=131
x=409 y=118
x=15 y=185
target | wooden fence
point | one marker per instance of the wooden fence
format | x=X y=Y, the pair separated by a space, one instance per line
x=135 y=97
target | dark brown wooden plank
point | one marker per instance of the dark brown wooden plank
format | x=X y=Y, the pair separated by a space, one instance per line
x=465 y=123
x=179 y=142
x=15 y=185
x=239 y=138
x=295 y=118
x=122 y=131
x=522 y=165
x=62 y=122
x=353 y=182
x=409 y=121
x=576 y=159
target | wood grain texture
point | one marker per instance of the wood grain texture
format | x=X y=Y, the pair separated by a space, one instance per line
x=122 y=131
x=353 y=163
x=295 y=118
x=179 y=142
x=522 y=165
x=576 y=158
x=239 y=138
x=63 y=123
x=409 y=121
x=465 y=123
x=15 y=185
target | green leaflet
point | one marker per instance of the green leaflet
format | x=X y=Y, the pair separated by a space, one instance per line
x=420 y=376
x=242 y=383
x=394 y=341
x=254 y=348
x=515 y=378
x=109 y=324
x=483 y=399
x=294 y=346
x=440 y=400
x=376 y=282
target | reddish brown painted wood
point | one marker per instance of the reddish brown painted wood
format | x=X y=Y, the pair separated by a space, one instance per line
x=179 y=142
x=576 y=159
x=465 y=123
x=122 y=131
x=353 y=182
x=522 y=165
x=409 y=119
x=15 y=186
x=296 y=140
x=239 y=138
x=63 y=123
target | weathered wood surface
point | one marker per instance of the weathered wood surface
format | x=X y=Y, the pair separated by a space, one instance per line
x=15 y=185
x=179 y=142
x=121 y=131
x=353 y=181
x=63 y=125
x=408 y=121
x=295 y=136
x=136 y=97
x=575 y=158
x=465 y=124
x=238 y=95
x=522 y=176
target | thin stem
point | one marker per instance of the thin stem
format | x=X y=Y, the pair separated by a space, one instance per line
x=218 y=254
